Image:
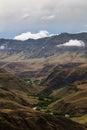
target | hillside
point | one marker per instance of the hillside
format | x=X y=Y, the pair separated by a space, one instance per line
x=36 y=58
x=46 y=75
x=16 y=112
x=69 y=84
x=21 y=120
x=14 y=92
x=65 y=75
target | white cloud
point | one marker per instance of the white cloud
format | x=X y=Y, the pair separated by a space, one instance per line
x=72 y=43
x=55 y=16
x=50 y=17
x=29 y=35
x=25 y=16
x=2 y=47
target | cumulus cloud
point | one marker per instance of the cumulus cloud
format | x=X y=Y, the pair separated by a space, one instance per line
x=29 y=35
x=2 y=47
x=73 y=43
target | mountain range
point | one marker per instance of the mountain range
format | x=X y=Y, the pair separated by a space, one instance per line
x=39 y=56
x=44 y=47
x=42 y=81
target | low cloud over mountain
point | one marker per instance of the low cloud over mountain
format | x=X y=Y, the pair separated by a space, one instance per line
x=2 y=47
x=29 y=35
x=76 y=43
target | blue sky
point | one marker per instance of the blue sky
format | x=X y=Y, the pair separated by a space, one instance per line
x=33 y=16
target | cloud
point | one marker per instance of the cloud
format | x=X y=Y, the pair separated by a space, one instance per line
x=56 y=16
x=73 y=43
x=50 y=17
x=85 y=25
x=29 y=35
x=2 y=47
x=25 y=16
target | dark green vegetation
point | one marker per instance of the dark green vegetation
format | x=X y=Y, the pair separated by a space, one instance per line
x=33 y=82
x=44 y=101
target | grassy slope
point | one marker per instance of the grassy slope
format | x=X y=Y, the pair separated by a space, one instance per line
x=14 y=92
x=16 y=65
x=15 y=111
x=72 y=102
x=81 y=120
x=69 y=85
x=29 y=120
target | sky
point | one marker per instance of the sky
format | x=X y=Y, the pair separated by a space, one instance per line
x=22 y=19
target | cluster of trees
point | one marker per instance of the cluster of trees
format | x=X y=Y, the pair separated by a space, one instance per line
x=44 y=101
x=32 y=82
